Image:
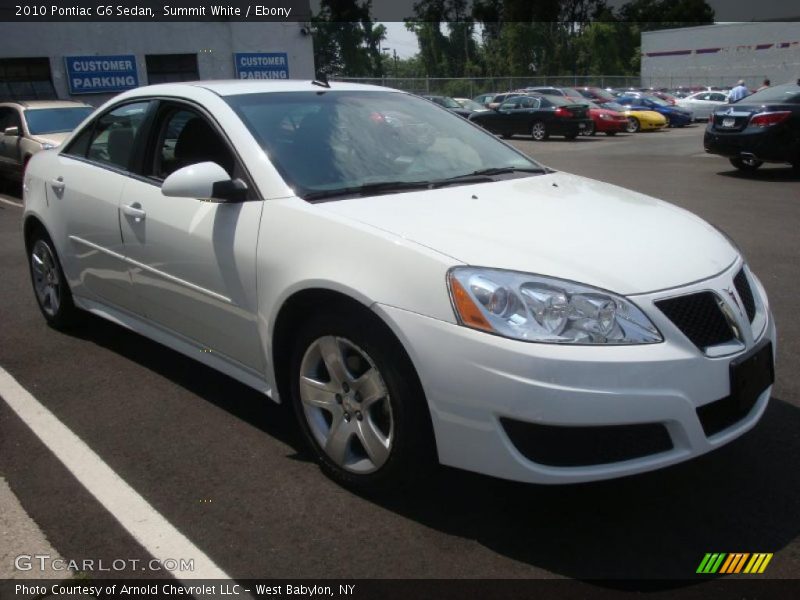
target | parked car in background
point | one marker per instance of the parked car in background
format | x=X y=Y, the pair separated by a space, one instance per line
x=702 y=104
x=500 y=98
x=763 y=127
x=450 y=104
x=596 y=94
x=536 y=116
x=26 y=127
x=566 y=92
x=484 y=99
x=675 y=116
x=638 y=120
x=604 y=120
x=470 y=104
x=266 y=229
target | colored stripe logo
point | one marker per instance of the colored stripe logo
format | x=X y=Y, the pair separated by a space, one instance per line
x=735 y=562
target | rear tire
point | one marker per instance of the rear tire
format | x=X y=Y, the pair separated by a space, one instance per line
x=589 y=130
x=49 y=283
x=359 y=402
x=539 y=132
x=633 y=125
x=746 y=165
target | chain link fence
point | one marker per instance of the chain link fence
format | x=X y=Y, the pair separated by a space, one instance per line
x=468 y=87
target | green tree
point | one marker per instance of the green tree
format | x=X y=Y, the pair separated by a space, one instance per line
x=347 y=40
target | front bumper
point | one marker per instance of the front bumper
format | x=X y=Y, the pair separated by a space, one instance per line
x=475 y=382
x=603 y=125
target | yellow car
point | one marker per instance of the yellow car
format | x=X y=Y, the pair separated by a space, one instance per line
x=644 y=120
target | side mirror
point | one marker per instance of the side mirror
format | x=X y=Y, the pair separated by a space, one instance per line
x=204 y=181
x=11 y=131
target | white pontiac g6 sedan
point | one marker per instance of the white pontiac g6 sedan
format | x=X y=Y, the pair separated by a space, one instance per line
x=415 y=288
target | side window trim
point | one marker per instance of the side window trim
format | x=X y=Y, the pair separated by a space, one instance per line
x=147 y=146
x=90 y=127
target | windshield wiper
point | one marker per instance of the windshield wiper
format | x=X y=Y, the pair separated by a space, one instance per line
x=502 y=170
x=484 y=175
x=369 y=189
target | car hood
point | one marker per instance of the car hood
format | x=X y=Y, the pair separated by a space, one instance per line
x=557 y=224
x=51 y=138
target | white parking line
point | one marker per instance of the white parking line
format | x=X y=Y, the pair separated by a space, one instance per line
x=157 y=535
x=7 y=200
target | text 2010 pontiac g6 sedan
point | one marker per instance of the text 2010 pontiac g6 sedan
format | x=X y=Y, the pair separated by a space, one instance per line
x=415 y=288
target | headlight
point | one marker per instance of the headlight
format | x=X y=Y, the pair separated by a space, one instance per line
x=605 y=116
x=534 y=308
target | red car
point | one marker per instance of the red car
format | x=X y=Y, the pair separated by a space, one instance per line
x=605 y=121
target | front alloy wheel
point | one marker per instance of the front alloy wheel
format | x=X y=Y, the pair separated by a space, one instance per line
x=633 y=125
x=346 y=404
x=359 y=402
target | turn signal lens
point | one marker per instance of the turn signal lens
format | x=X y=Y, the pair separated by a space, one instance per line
x=768 y=119
x=470 y=314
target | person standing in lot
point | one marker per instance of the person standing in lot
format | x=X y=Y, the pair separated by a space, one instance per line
x=739 y=92
x=764 y=85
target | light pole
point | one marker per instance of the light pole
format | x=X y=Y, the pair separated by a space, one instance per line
x=394 y=54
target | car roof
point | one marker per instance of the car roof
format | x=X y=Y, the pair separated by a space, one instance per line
x=40 y=104
x=233 y=87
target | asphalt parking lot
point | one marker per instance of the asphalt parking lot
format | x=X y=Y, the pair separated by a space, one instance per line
x=226 y=467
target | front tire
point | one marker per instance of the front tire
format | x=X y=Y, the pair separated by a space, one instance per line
x=633 y=125
x=747 y=165
x=359 y=403
x=49 y=283
x=539 y=131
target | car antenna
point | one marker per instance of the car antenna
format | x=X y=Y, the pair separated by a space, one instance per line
x=322 y=81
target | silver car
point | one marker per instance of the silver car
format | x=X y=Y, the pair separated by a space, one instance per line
x=703 y=104
x=26 y=127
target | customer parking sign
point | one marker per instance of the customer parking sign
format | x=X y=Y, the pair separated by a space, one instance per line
x=262 y=65
x=101 y=74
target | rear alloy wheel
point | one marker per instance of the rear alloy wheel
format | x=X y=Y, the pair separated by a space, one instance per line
x=359 y=404
x=49 y=284
x=746 y=164
x=633 y=125
x=539 y=131
x=589 y=129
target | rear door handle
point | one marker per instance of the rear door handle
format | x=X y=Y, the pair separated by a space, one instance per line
x=57 y=185
x=135 y=211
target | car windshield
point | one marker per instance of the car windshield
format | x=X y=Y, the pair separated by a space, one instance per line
x=324 y=143
x=657 y=100
x=614 y=106
x=572 y=92
x=448 y=102
x=787 y=93
x=470 y=105
x=55 y=120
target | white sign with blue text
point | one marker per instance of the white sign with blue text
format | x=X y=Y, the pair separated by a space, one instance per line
x=261 y=65
x=101 y=74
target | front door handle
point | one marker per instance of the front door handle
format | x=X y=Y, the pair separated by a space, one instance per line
x=57 y=185
x=134 y=210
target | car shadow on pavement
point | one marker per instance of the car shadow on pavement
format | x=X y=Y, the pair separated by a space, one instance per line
x=744 y=497
x=239 y=400
x=776 y=173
